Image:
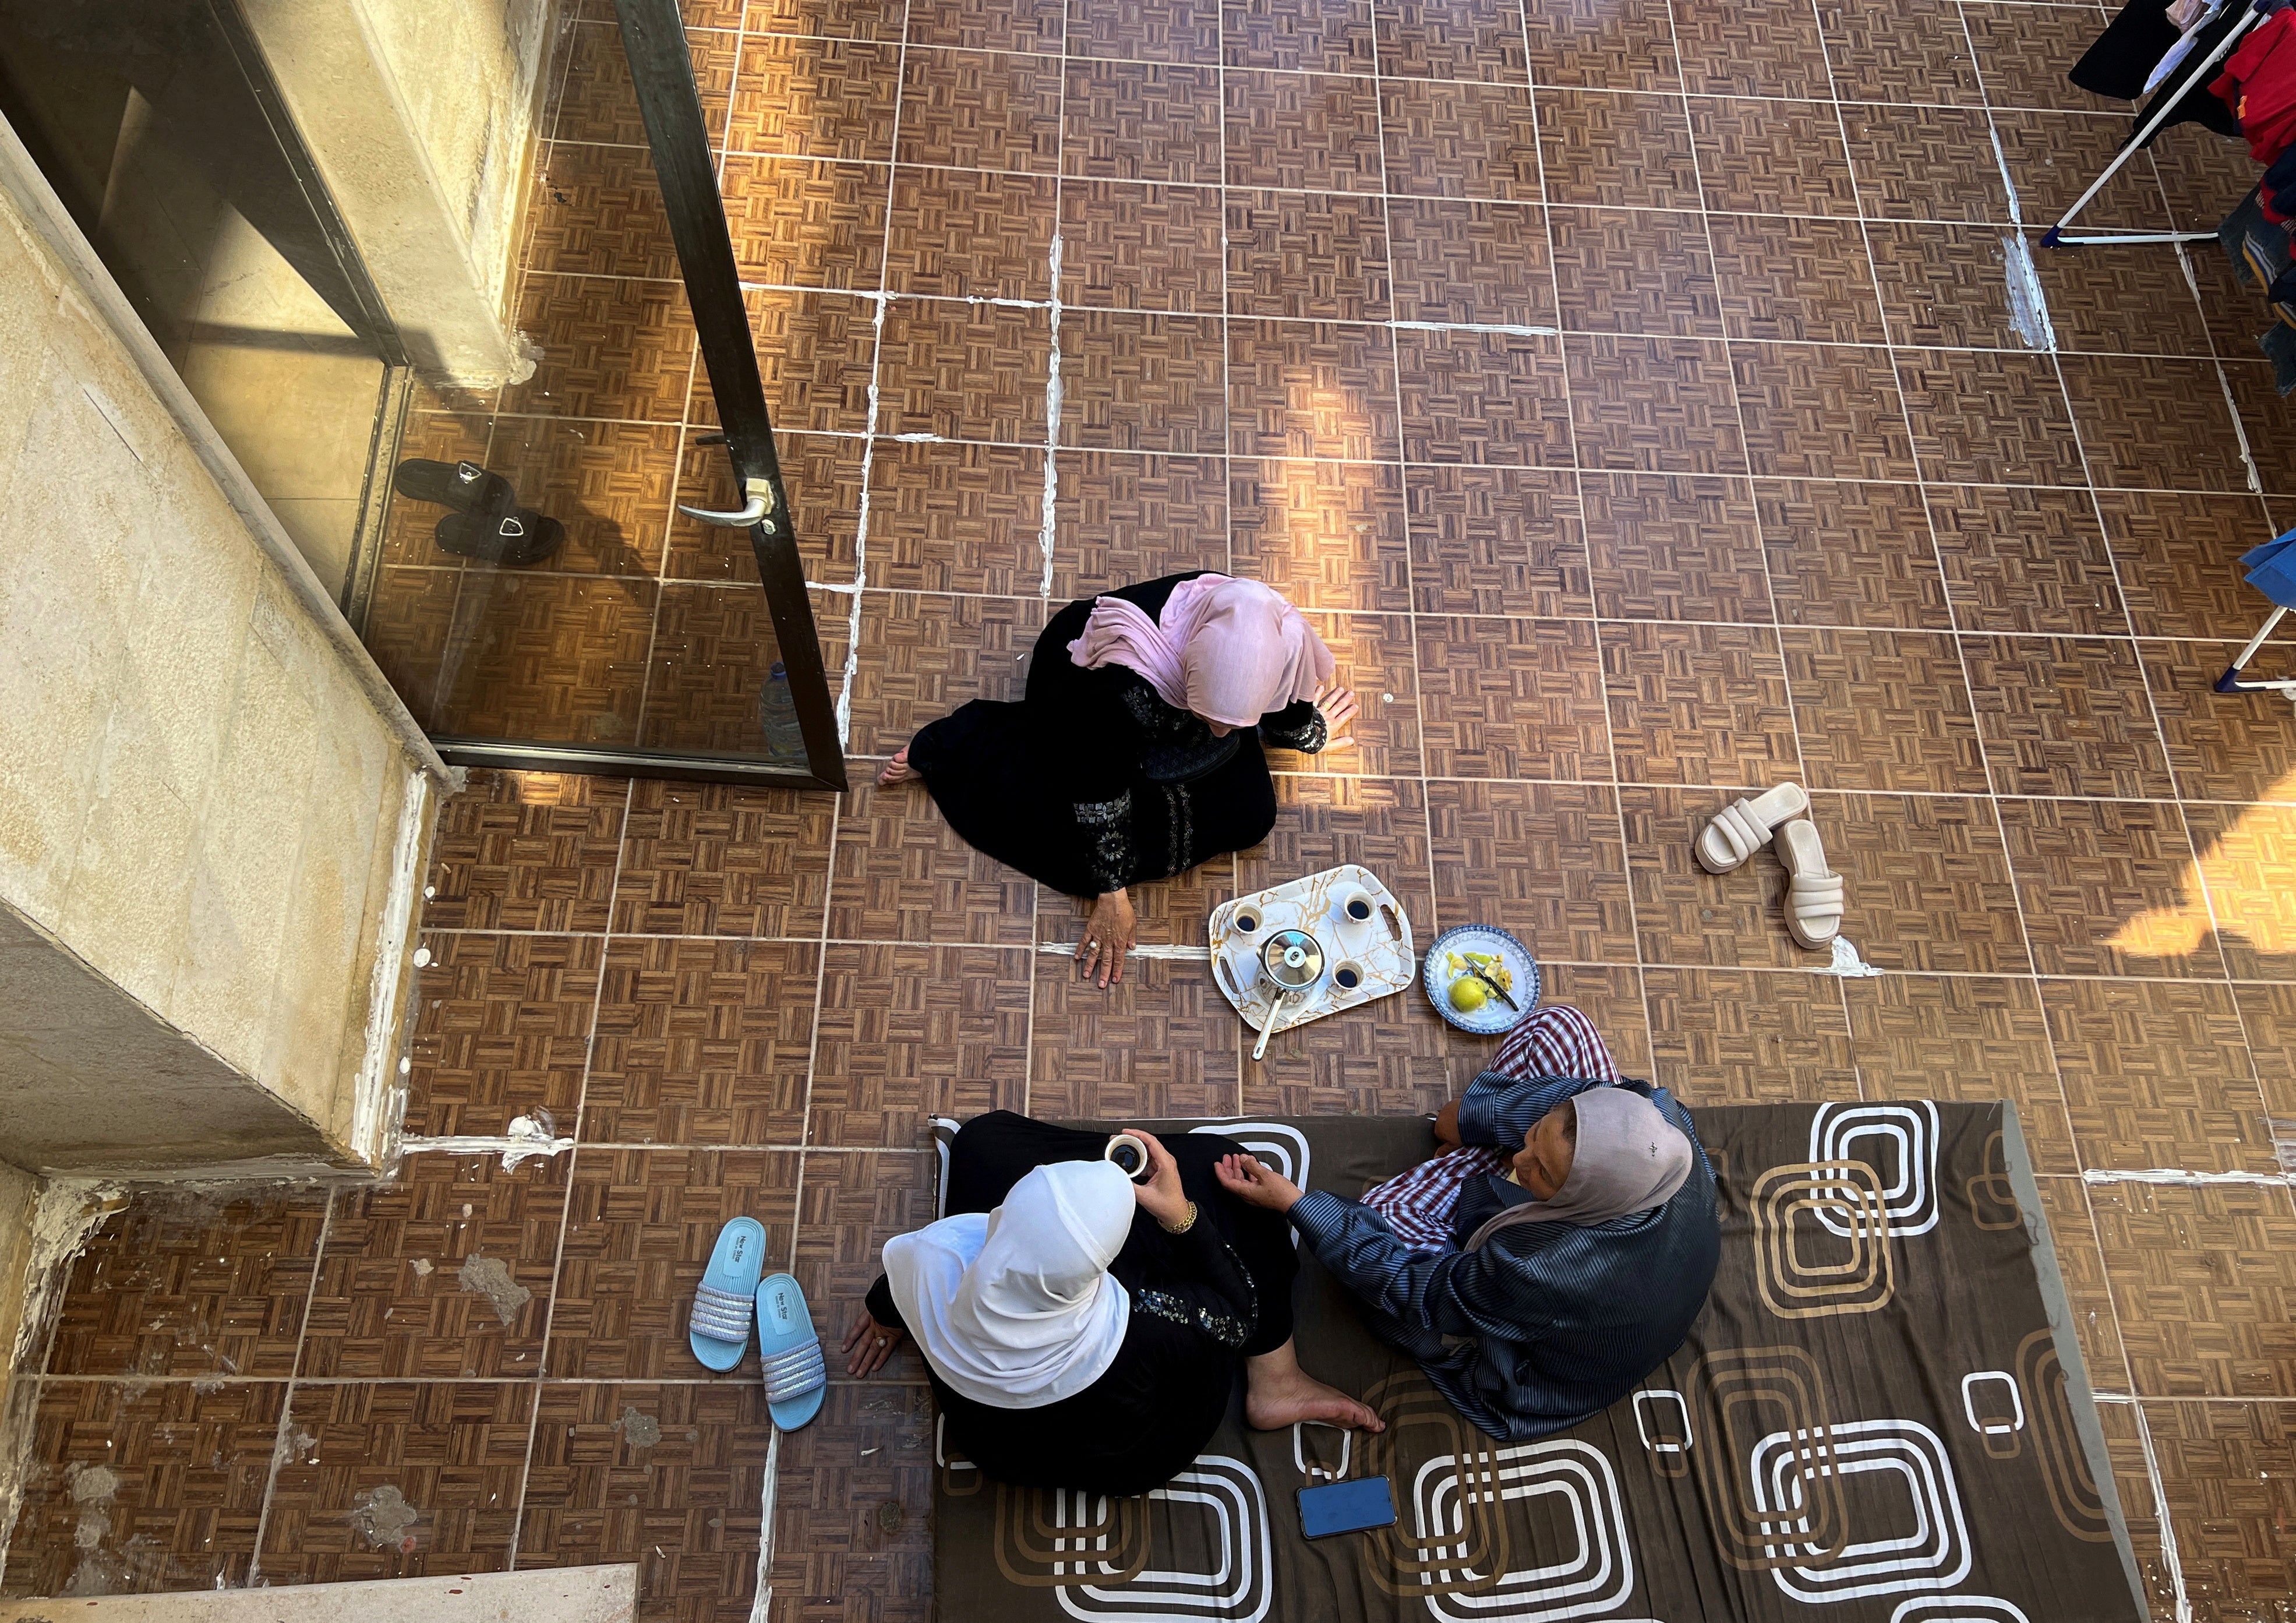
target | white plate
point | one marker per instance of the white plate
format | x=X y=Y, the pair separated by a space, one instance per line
x=1494 y=1017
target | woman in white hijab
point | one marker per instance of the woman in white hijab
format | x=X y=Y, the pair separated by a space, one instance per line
x=1081 y=1330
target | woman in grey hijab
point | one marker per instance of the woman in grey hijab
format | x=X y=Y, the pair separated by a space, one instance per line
x=1551 y=1257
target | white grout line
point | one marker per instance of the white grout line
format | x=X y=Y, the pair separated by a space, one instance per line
x=2178 y=1176
x=1046 y=533
x=2168 y=1556
x=283 y=1438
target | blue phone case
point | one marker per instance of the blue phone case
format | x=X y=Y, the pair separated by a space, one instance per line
x=1352 y=1506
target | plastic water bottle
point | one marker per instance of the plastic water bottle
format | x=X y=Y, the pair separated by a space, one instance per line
x=777 y=710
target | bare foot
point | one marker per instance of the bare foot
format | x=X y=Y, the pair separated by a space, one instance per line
x=897 y=771
x=1279 y=1393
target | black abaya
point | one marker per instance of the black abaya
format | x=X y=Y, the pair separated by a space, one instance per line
x=1091 y=782
x=1200 y=1301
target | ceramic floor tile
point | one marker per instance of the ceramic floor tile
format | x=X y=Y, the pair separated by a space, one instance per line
x=802 y=222
x=1145 y=31
x=1640 y=271
x=1975 y=1038
x=954 y=234
x=1326 y=534
x=702 y=1042
x=2171 y=554
x=610 y=347
x=1500 y=398
x=2080 y=1263
x=640 y=1225
x=1950 y=285
x=1119 y=518
x=1311 y=388
x=816 y=98
x=1989 y=418
x=552 y=660
x=1925 y=163
x=853 y=1524
x=1597 y=44
x=981 y=110
x=2054 y=157
x=1915 y=51
x=2226 y=1505
x=1657 y=405
x=1141 y=247
x=526 y=850
x=1850 y=554
x=989 y=25
x=406 y=633
x=1611 y=996
x=1818 y=411
x=1300 y=36
x=2065 y=716
x=1295 y=132
x=2149 y=423
x=1513 y=699
x=2222 y=746
x=851 y=1204
x=1699 y=704
x=714 y=651
x=2109 y=889
x=2268 y=1014
x=1375 y=660
x=1450 y=140
x=597 y=211
x=921 y=656
x=1498 y=541
x=1795 y=281
x=2022 y=58
x=1620 y=151
x=444 y=1272
x=1132 y=381
x=187 y=1283
x=667 y=1477
x=1545 y=862
x=2157 y=1074
x=2026 y=560
x=904 y=875
x=956 y=518
x=821 y=19
x=1311 y=255
x=1674 y=548
x=1141 y=121
x=1160 y=1042
x=502 y=1030
x=1768 y=48
x=2244 y=854
x=2265 y=418
x=1883 y=710
x=816 y=352
x=2203 y=1280
x=913 y=1032
x=1464 y=261
x=964 y=372
x=454 y=1452
x=1452 y=39
x=1930 y=884
x=1772 y=157
x=192 y=1467
x=720 y=860
x=2130 y=303
x=596 y=100
x=1747 y=1037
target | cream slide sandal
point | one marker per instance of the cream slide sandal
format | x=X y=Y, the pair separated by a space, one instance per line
x=1744 y=827
x=1814 y=891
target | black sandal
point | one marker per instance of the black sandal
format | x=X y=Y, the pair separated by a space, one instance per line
x=513 y=541
x=464 y=486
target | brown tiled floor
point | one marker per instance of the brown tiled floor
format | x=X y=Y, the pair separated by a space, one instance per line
x=1743 y=477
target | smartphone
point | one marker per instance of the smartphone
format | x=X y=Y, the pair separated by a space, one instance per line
x=1353 y=1506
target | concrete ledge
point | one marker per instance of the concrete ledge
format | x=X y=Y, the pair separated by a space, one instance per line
x=560 y=1594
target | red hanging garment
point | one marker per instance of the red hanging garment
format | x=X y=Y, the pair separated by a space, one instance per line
x=2258 y=83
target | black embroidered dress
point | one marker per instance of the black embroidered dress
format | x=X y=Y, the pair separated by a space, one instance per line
x=1091 y=782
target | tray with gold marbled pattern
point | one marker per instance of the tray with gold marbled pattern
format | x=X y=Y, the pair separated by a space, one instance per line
x=1376 y=950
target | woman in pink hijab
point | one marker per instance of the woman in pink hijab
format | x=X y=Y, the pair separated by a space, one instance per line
x=1136 y=752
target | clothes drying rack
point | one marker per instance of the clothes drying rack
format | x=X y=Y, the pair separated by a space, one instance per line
x=2055 y=237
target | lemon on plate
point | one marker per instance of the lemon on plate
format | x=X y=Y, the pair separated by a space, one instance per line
x=1469 y=994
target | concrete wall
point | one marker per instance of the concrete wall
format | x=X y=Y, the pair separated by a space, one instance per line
x=19 y=1190
x=421 y=115
x=213 y=811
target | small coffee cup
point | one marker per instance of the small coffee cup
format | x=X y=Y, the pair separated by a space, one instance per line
x=1347 y=978
x=1244 y=921
x=1127 y=1152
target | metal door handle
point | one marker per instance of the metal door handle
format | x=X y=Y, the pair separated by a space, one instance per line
x=761 y=493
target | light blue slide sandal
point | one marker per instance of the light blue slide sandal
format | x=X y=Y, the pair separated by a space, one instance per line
x=720 y=1325
x=791 y=1352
